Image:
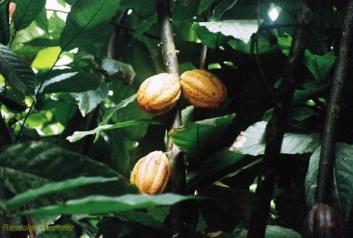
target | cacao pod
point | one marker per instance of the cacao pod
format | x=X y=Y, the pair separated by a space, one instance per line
x=322 y=222
x=151 y=173
x=159 y=94
x=203 y=89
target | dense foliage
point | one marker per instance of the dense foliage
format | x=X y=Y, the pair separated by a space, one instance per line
x=72 y=129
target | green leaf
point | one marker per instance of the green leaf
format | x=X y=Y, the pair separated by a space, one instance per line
x=10 y=100
x=213 y=40
x=271 y=232
x=280 y=232
x=222 y=7
x=120 y=155
x=26 y=12
x=30 y=165
x=187 y=114
x=301 y=113
x=124 y=71
x=50 y=188
x=46 y=58
x=252 y=141
x=143 y=7
x=84 y=20
x=18 y=181
x=319 y=65
x=42 y=20
x=104 y=204
x=296 y=113
x=204 y=6
x=111 y=111
x=221 y=164
x=78 y=135
x=4 y=23
x=342 y=181
x=285 y=43
x=263 y=45
x=88 y=101
x=69 y=81
x=142 y=218
x=16 y=72
x=307 y=91
x=201 y=136
x=238 y=29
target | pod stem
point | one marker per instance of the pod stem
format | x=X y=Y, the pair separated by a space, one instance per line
x=327 y=155
x=276 y=127
x=203 y=57
x=177 y=157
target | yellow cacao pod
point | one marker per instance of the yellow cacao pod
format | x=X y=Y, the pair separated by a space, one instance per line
x=159 y=94
x=203 y=89
x=151 y=173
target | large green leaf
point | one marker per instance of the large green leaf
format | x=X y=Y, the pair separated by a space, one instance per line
x=201 y=136
x=44 y=162
x=252 y=141
x=69 y=81
x=137 y=5
x=119 y=69
x=16 y=72
x=238 y=29
x=221 y=164
x=42 y=20
x=50 y=188
x=89 y=100
x=307 y=91
x=120 y=155
x=84 y=20
x=104 y=204
x=319 y=65
x=111 y=111
x=11 y=101
x=211 y=40
x=78 y=135
x=271 y=232
x=142 y=218
x=281 y=232
x=203 y=6
x=26 y=12
x=342 y=181
x=130 y=110
x=18 y=181
x=221 y=8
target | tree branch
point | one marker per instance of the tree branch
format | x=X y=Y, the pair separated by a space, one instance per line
x=327 y=156
x=176 y=155
x=91 y=122
x=167 y=37
x=118 y=22
x=275 y=128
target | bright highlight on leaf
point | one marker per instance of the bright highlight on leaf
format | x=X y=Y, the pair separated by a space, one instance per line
x=273 y=13
x=46 y=58
x=238 y=29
